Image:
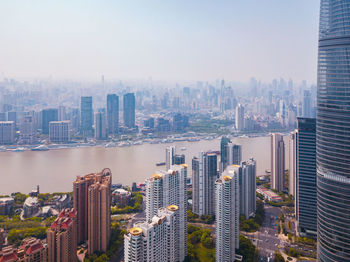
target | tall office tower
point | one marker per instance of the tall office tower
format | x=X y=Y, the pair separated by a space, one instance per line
x=100 y=126
x=12 y=116
x=113 y=114
x=86 y=118
x=234 y=154
x=204 y=174
x=27 y=130
x=92 y=201
x=7 y=132
x=277 y=162
x=227 y=215
x=293 y=150
x=239 y=119
x=307 y=104
x=48 y=115
x=156 y=240
x=179 y=159
x=306 y=197
x=169 y=188
x=129 y=110
x=332 y=132
x=62 y=115
x=62 y=237
x=223 y=153
x=59 y=131
x=169 y=157
x=247 y=188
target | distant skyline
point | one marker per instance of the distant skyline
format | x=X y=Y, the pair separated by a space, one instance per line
x=165 y=40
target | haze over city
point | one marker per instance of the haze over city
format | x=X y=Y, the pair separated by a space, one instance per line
x=165 y=40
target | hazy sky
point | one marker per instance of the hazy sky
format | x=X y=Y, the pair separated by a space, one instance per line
x=165 y=39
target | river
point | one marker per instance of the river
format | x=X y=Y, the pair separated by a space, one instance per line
x=55 y=170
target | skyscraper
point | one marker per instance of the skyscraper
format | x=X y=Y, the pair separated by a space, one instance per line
x=27 y=130
x=7 y=132
x=204 y=174
x=307 y=104
x=129 y=110
x=155 y=240
x=113 y=113
x=277 y=162
x=169 y=157
x=247 y=187
x=332 y=132
x=239 y=120
x=48 y=115
x=100 y=126
x=306 y=197
x=86 y=116
x=292 y=176
x=62 y=237
x=234 y=154
x=92 y=201
x=227 y=215
x=166 y=188
x=223 y=152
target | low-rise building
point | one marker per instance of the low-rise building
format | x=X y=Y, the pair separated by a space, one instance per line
x=268 y=194
x=31 y=207
x=121 y=197
x=30 y=250
x=2 y=238
x=63 y=201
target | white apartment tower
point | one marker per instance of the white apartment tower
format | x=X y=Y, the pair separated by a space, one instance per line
x=156 y=240
x=227 y=215
x=167 y=188
x=277 y=162
x=59 y=131
x=27 y=130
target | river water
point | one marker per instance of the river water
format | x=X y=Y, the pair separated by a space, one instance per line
x=55 y=170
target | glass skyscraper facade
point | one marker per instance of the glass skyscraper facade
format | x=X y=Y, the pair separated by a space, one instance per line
x=306 y=176
x=129 y=110
x=333 y=132
x=113 y=113
x=87 y=115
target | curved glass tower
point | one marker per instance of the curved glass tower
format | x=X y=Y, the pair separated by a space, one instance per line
x=333 y=132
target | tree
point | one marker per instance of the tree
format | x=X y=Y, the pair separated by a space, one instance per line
x=279 y=257
x=246 y=249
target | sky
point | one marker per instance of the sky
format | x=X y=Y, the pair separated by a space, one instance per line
x=165 y=39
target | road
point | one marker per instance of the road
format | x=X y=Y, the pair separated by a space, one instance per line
x=266 y=239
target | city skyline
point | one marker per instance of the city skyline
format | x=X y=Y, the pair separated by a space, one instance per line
x=168 y=41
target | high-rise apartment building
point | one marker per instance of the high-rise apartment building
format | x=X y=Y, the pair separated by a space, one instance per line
x=129 y=110
x=62 y=237
x=156 y=240
x=234 y=154
x=277 y=162
x=332 y=132
x=169 y=157
x=86 y=119
x=179 y=159
x=48 y=115
x=100 y=126
x=166 y=188
x=239 y=119
x=59 y=131
x=247 y=187
x=113 y=114
x=7 y=132
x=92 y=201
x=27 y=130
x=227 y=215
x=204 y=174
x=306 y=194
